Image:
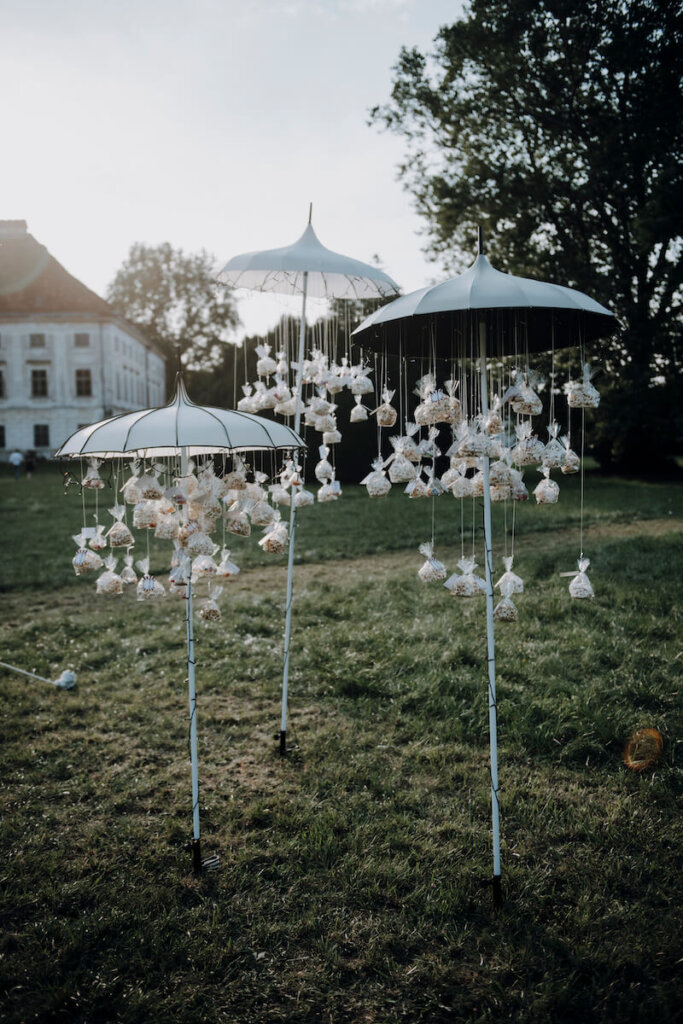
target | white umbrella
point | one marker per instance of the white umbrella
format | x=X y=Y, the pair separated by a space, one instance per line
x=181 y=427
x=306 y=268
x=496 y=304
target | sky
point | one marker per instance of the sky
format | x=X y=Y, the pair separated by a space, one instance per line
x=209 y=124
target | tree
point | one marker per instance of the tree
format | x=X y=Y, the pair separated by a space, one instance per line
x=174 y=298
x=558 y=125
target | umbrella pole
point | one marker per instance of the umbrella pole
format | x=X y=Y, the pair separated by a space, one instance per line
x=490 y=640
x=292 y=527
x=189 y=619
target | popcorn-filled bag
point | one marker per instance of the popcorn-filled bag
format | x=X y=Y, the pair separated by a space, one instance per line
x=518 y=487
x=208 y=609
x=84 y=561
x=145 y=515
x=109 y=582
x=302 y=498
x=200 y=544
x=261 y=513
x=359 y=413
x=493 y=421
x=417 y=488
x=264 y=398
x=523 y=397
x=462 y=485
x=434 y=488
x=226 y=569
x=92 y=479
x=265 y=364
x=435 y=405
x=186 y=530
x=288 y=407
x=466 y=584
x=572 y=462
x=385 y=413
x=406 y=443
x=177 y=492
x=167 y=527
x=275 y=539
x=555 y=452
x=148 y=588
x=361 y=384
x=130 y=491
x=332 y=437
x=500 y=492
x=280 y=495
x=528 y=451
x=204 y=566
x=149 y=486
x=401 y=468
x=330 y=491
x=477 y=484
x=323 y=470
x=469 y=442
x=128 y=572
x=500 y=473
x=581 y=394
x=432 y=569
x=320 y=406
x=237 y=522
x=98 y=541
x=325 y=423
x=510 y=579
x=177 y=579
x=547 y=491
x=236 y=479
x=427 y=447
x=248 y=401
x=580 y=586
x=376 y=483
x=282 y=367
x=505 y=610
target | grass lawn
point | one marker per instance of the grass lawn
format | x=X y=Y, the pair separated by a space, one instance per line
x=350 y=886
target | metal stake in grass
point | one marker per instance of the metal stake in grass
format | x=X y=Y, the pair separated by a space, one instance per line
x=66 y=681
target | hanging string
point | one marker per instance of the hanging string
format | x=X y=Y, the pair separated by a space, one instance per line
x=583 y=435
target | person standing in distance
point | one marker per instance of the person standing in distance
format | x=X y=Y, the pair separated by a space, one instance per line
x=16 y=459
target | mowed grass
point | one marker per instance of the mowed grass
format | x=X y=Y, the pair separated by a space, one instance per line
x=350 y=886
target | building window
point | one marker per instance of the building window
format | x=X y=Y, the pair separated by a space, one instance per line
x=41 y=435
x=37 y=340
x=38 y=383
x=82 y=340
x=2 y=385
x=83 y=383
x=2 y=435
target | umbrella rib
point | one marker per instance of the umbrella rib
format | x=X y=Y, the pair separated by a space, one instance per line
x=262 y=424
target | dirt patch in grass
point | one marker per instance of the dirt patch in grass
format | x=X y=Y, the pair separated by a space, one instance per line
x=379 y=567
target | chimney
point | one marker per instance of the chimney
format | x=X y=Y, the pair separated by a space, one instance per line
x=12 y=229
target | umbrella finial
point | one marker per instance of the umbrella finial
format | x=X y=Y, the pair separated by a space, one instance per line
x=310 y=212
x=480 y=240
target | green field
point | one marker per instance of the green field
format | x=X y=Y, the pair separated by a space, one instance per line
x=350 y=886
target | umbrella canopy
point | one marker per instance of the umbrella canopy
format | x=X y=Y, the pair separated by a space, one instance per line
x=330 y=275
x=532 y=315
x=181 y=424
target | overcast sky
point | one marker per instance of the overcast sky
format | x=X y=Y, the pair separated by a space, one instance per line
x=208 y=124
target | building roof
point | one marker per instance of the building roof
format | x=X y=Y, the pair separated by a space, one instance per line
x=34 y=284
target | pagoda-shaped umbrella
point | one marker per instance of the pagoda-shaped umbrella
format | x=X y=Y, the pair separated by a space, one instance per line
x=513 y=315
x=181 y=428
x=307 y=268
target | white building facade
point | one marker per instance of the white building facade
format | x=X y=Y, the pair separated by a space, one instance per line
x=62 y=368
